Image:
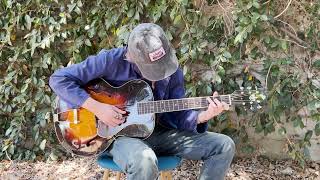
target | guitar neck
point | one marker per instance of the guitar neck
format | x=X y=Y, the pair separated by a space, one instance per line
x=179 y=104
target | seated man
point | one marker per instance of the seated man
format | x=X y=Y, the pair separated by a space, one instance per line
x=149 y=56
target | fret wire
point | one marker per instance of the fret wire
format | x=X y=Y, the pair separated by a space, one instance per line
x=176 y=106
x=155 y=105
x=145 y=108
x=150 y=108
x=185 y=103
x=161 y=105
x=142 y=108
x=192 y=102
x=158 y=106
x=181 y=103
x=166 y=103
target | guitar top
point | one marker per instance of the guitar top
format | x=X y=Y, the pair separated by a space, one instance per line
x=79 y=131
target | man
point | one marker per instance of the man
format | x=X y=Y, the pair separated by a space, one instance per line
x=149 y=56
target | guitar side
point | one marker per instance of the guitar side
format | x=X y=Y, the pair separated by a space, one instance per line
x=80 y=132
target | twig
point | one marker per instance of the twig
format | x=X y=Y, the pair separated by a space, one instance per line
x=201 y=6
x=8 y=156
x=294 y=43
x=295 y=32
x=283 y=10
x=228 y=18
x=268 y=74
x=297 y=41
x=224 y=10
x=288 y=139
x=185 y=21
x=266 y=2
x=296 y=38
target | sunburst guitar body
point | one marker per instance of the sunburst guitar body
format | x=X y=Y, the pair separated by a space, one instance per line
x=82 y=133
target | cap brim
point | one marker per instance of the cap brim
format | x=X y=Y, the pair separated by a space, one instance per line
x=159 y=69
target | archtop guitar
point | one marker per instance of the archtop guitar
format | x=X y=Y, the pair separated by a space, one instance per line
x=82 y=133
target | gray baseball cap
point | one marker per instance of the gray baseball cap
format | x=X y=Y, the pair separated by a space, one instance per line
x=151 y=51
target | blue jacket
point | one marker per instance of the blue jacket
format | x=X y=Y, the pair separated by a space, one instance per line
x=112 y=66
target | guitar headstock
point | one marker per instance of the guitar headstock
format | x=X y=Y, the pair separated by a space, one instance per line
x=248 y=97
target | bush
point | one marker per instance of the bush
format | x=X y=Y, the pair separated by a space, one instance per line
x=220 y=46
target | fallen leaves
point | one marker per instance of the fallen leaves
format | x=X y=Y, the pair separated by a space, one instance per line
x=86 y=168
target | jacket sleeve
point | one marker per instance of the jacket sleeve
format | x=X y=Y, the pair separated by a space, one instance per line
x=187 y=119
x=66 y=82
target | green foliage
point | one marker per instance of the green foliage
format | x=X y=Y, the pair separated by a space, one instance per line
x=38 y=37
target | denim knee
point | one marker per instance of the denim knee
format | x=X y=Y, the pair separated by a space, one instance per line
x=223 y=145
x=144 y=163
x=228 y=145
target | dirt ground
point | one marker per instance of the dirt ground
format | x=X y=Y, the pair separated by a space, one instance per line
x=86 y=168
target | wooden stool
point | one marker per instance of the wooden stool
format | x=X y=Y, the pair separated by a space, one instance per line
x=165 y=165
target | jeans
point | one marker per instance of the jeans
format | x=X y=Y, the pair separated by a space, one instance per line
x=137 y=158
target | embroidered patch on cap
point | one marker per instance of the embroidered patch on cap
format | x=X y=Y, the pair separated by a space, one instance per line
x=157 y=54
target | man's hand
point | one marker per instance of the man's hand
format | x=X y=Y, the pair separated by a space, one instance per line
x=108 y=114
x=215 y=108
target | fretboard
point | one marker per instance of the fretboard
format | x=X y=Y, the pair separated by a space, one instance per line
x=178 y=104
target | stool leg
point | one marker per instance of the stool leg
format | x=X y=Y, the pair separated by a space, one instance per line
x=166 y=175
x=162 y=175
x=118 y=175
x=169 y=175
x=106 y=174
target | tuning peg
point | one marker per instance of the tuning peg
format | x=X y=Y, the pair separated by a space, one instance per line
x=249 y=88
x=244 y=103
x=258 y=101
x=251 y=108
x=241 y=88
x=251 y=102
x=259 y=107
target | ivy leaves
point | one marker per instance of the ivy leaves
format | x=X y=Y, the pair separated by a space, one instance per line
x=38 y=38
